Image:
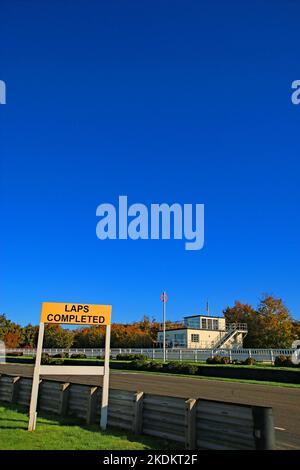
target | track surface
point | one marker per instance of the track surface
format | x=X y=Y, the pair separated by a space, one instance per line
x=284 y=401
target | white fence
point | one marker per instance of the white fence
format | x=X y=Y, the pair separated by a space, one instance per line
x=175 y=354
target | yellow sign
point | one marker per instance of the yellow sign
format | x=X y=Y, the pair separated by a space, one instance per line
x=75 y=314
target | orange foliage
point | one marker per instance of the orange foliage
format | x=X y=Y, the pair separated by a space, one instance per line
x=12 y=339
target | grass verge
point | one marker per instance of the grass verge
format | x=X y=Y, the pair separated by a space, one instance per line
x=56 y=433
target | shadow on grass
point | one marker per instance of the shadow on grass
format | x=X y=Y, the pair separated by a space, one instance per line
x=48 y=419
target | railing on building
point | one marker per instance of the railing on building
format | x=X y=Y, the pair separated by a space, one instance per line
x=236 y=326
x=181 y=324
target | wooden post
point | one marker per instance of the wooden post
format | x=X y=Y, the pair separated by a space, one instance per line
x=64 y=397
x=137 y=424
x=91 y=405
x=35 y=380
x=190 y=424
x=105 y=386
x=263 y=428
x=14 y=389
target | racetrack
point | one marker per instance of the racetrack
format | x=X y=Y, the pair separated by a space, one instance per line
x=285 y=401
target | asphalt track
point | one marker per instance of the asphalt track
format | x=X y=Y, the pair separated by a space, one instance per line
x=285 y=401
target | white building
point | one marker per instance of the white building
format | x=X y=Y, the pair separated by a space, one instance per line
x=203 y=332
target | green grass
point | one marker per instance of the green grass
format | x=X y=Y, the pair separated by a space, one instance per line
x=56 y=433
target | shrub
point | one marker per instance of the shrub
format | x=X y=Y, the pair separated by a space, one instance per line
x=214 y=360
x=148 y=365
x=172 y=366
x=138 y=364
x=61 y=355
x=225 y=360
x=283 y=361
x=45 y=358
x=156 y=366
x=78 y=356
x=131 y=357
x=210 y=360
x=250 y=361
x=190 y=369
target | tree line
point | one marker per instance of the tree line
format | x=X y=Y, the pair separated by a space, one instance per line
x=137 y=334
x=270 y=325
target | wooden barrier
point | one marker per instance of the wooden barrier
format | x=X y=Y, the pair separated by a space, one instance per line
x=232 y=423
x=164 y=417
x=196 y=424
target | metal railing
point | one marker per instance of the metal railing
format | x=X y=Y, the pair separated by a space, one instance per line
x=237 y=326
x=232 y=329
x=180 y=324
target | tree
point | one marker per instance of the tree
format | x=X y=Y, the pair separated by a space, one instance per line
x=12 y=338
x=296 y=330
x=244 y=313
x=57 y=337
x=269 y=326
x=10 y=333
x=29 y=336
x=276 y=321
x=150 y=327
x=89 y=337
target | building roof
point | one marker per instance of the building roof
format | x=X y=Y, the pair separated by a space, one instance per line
x=203 y=316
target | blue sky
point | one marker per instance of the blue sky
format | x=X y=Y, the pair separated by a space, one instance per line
x=186 y=102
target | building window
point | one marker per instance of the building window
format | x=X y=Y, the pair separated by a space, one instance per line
x=209 y=324
x=192 y=322
x=204 y=323
x=195 y=338
x=215 y=324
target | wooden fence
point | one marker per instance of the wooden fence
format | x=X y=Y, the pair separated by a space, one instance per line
x=196 y=424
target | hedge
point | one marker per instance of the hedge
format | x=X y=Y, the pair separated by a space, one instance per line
x=283 y=361
x=15 y=354
x=230 y=371
x=250 y=361
x=131 y=357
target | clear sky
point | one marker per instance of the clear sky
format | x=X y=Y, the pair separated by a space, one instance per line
x=162 y=101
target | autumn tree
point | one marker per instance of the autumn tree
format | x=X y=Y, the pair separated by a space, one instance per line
x=29 y=336
x=244 y=313
x=10 y=333
x=57 y=337
x=276 y=323
x=150 y=327
x=4 y=325
x=296 y=330
x=269 y=326
x=89 y=337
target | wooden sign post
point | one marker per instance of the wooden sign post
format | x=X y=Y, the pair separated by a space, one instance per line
x=71 y=314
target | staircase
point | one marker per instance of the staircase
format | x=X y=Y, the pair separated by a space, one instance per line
x=232 y=330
